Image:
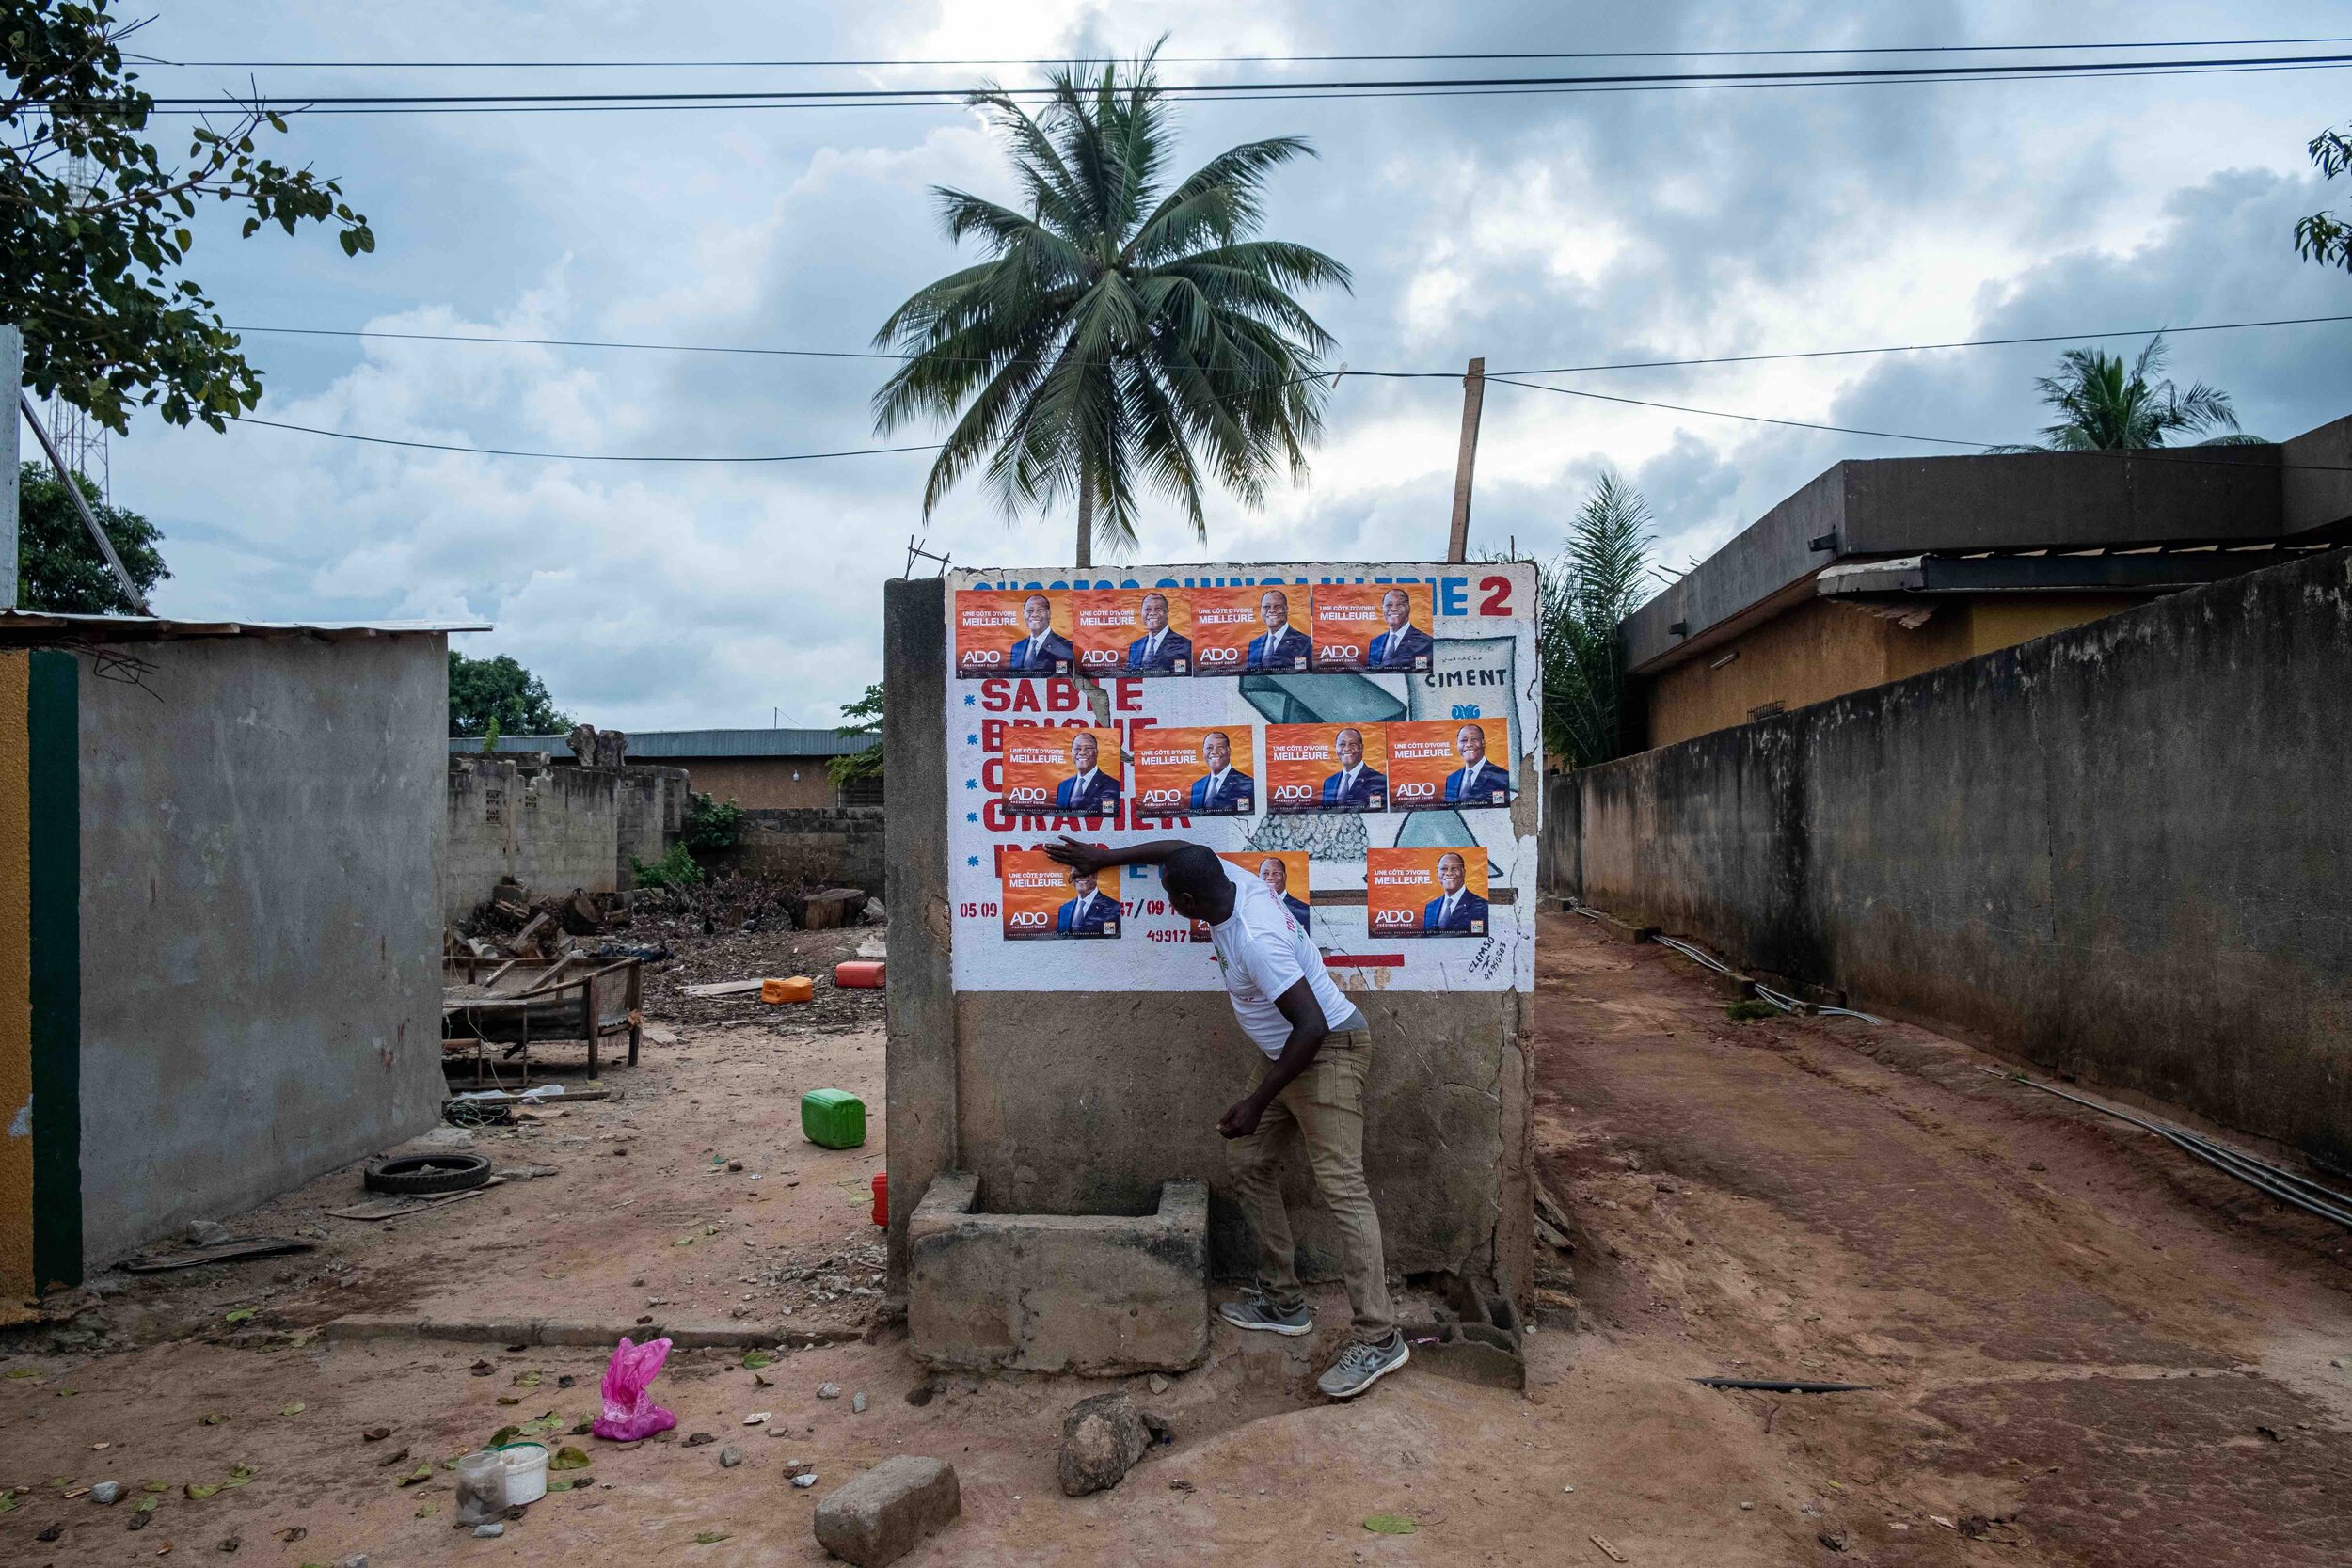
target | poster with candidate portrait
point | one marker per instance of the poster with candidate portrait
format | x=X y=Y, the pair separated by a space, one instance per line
x=1350 y=786
x=1206 y=771
x=1074 y=773
x=1045 y=901
x=1462 y=763
x=1013 y=632
x=1131 y=631
x=1372 y=626
x=1427 y=893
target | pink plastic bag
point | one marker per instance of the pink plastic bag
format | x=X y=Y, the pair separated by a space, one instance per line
x=629 y=1412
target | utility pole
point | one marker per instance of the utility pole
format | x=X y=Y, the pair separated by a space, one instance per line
x=1473 y=399
x=70 y=479
x=11 y=373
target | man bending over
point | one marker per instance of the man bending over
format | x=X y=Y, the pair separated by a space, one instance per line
x=1309 y=1089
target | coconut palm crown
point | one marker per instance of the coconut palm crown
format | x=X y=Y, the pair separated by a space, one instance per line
x=1123 y=335
x=2104 y=407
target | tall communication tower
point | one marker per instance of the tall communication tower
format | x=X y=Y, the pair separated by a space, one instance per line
x=81 y=440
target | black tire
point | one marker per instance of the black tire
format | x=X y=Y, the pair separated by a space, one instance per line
x=419 y=1175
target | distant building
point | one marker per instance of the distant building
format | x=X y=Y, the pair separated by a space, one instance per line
x=1885 y=568
x=775 y=770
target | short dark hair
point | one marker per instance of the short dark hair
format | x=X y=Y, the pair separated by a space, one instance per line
x=1193 y=871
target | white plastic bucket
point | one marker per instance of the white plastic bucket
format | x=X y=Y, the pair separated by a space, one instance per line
x=526 y=1466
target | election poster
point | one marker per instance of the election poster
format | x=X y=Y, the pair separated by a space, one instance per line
x=1013 y=632
x=1426 y=892
x=1077 y=772
x=1371 y=626
x=1131 y=631
x=1207 y=771
x=1333 y=768
x=1450 y=762
x=1364 y=791
x=1045 y=901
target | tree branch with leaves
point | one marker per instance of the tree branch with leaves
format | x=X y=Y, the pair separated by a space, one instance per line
x=2326 y=237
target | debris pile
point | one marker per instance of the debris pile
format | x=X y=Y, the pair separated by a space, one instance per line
x=513 y=923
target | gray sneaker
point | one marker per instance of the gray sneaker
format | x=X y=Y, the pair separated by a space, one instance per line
x=1361 y=1365
x=1256 y=1311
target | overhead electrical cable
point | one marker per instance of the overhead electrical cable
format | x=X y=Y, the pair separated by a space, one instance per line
x=585 y=456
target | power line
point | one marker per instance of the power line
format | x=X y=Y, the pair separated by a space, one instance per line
x=583 y=456
x=1749 y=418
x=1555 y=370
x=1393 y=87
x=1234 y=59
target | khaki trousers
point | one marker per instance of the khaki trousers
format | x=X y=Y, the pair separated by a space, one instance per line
x=1323 y=1108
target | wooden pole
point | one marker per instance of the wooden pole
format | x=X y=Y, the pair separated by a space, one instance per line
x=73 y=488
x=1473 y=399
x=12 y=373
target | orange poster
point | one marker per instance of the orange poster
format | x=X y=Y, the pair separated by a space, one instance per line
x=1374 y=626
x=1425 y=893
x=1043 y=900
x=1249 y=630
x=1338 y=768
x=1196 y=772
x=1131 y=631
x=1010 y=632
x=1284 y=874
x=1074 y=773
x=1450 y=762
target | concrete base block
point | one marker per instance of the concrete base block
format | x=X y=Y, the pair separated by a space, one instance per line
x=1104 y=1296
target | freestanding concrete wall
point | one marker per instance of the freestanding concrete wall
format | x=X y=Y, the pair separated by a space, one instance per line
x=2119 y=851
x=1062 y=1108
x=260 y=819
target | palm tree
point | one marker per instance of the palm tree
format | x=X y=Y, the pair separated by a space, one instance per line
x=1122 y=333
x=2106 y=408
x=1597 y=579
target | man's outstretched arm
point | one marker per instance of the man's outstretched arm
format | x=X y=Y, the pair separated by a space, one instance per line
x=1093 y=857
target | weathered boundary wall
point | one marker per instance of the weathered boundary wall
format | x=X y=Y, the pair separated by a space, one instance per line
x=552 y=828
x=841 y=845
x=2119 y=851
x=1063 y=1103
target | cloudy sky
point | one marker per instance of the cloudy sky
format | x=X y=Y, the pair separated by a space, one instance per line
x=1536 y=230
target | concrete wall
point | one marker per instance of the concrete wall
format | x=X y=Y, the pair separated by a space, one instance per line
x=766 y=783
x=2118 y=851
x=550 y=828
x=260 y=984
x=1063 y=1103
x=841 y=845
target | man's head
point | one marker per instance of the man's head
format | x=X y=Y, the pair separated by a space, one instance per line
x=1216 y=750
x=1038 y=611
x=1274 y=609
x=1081 y=881
x=1275 y=875
x=1082 y=751
x=1197 y=886
x=1396 y=608
x=1349 y=744
x=1471 y=741
x=1451 y=871
x=1155 y=612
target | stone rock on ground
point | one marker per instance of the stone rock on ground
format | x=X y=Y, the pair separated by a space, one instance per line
x=1101 y=1440
x=886 y=1512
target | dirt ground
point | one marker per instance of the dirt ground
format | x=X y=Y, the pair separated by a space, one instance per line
x=2084 y=1348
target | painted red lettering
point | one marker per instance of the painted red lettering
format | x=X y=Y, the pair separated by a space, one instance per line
x=1127 y=692
x=1497 y=599
x=1024 y=698
x=995 y=694
x=1061 y=696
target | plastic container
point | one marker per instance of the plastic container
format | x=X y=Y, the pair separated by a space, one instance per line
x=882 y=1198
x=834 y=1117
x=526 y=1471
x=800 y=988
x=482 y=1487
x=865 y=973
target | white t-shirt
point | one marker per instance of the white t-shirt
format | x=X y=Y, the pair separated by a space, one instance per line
x=1263 y=953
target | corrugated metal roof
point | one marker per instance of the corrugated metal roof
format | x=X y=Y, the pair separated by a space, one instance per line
x=652 y=745
x=41 y=625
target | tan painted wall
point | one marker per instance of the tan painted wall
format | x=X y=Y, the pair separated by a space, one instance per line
x=1823 y=649
x=761 y=784
x=16 y=987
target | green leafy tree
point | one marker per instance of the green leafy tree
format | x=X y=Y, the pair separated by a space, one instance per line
x=94 y=222
x=2326 y=237
x=866 y=763
x=711 y=826
x=1124 y=333
x=488 y=694
x=1597 y=579
x=2105 y=405
x=58 y=566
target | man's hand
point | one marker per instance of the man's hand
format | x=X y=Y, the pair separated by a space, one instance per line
x=1087 y=859
x=1240 y=1119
